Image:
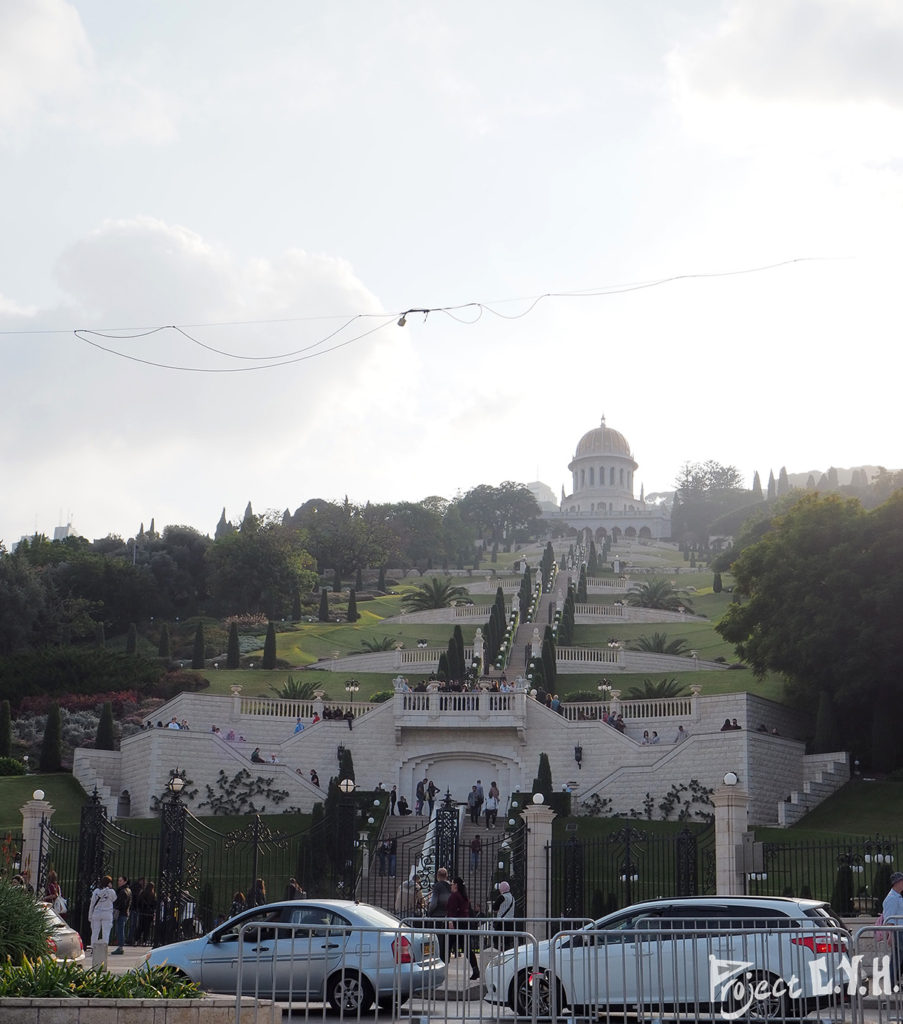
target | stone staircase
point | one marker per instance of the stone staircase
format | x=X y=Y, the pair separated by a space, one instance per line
x=823 y=775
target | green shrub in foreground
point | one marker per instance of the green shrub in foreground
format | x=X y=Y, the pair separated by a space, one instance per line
x=50 y=979
x=23 y=927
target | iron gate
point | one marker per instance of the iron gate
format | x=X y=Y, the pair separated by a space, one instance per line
x=590 y=878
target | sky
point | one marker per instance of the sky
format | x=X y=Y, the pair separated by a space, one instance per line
x=680 y=214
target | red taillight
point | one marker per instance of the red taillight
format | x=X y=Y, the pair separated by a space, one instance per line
x=821 y=943
x=401 y=950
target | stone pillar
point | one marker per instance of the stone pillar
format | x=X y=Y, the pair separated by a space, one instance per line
x=539 y=820
x=32 y=813
x=731 y=812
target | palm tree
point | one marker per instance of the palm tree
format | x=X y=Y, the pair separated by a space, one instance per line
x=297 y=689
x=660 y=594
x=385 y=643
x=656 y=691
x=434 y=594
x=659 y=643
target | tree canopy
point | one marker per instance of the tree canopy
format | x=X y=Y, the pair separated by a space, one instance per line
x=822 y=595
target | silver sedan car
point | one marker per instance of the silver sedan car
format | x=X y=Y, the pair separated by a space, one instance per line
x=64 y=942
x=337 y=951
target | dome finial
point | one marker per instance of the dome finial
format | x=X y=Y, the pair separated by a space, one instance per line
x=603 y=420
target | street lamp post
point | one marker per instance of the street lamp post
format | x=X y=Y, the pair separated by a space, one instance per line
x=351 y=688
x=346 y=788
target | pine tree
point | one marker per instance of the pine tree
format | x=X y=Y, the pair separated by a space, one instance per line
x=324 y=606
x=353 y=615
x=197 y=656
x=6 y=730
x=269 y=647
x=233 y=648
x=163 y=647
x=131 y=639
x=52 y=744
x=105 y=738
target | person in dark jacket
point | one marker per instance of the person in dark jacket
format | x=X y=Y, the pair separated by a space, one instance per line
x=121 y=908
x=458 y=916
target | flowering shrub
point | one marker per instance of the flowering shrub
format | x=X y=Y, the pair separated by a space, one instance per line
x=250 y=620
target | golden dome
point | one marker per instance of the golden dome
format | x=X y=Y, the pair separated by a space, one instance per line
x=603 y=440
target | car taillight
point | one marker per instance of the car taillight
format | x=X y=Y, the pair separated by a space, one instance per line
x=401 y=950
x=51 y=945
x=821 y=943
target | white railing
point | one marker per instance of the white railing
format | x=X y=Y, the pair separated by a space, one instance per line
x=428 y=655
x=591 y=710
x=591 y=655
x=616 y=610
x=595 y=586
x=469 y=611
x=276 y=707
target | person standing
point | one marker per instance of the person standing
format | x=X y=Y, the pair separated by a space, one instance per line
x=476 y=848
x=258 y=896
x=393 y=855
x=504 y=911
x=473 y=806
x=121 y=907
x=492 y=810
x=892 y=913
x=420 y=797
x=408 y=899
x=293 y=891
x=393 y=798
x=481 y=796
x=458 y=914
x=438 y=905
x=431 y=791
x=100 y=911
x=147 y=905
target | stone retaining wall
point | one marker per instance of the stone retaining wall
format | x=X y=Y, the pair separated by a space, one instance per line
x=211 y=1010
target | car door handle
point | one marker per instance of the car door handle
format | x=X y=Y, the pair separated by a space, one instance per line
x=331 y=945
x=260 y=949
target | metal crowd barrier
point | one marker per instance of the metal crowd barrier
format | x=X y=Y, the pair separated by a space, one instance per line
x=646 y=974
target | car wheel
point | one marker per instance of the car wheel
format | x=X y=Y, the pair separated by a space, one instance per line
x=524 y=991
x=759 y=997
x=349 y=992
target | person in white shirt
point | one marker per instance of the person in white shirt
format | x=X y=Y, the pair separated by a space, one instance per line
x=100 y=911
x=892 y=911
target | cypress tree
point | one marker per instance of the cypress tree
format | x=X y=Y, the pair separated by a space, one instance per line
x=52 y=744
x=197 y=656
x=543 y=781
x=269 y=647
x=458 y=640
x=296 y=605
x=324 y=606
x=442 y=668
x=451 y=659
x=549 y=667
x=592 y=563
x=131 y=639
x=346 y=765
x=6 y=730
x=717 y=585
x=353 y=615
x=233 y=650
x=581 y=586
x=381 y=582
x=757 y=488
x=359 y=579
x=106 y=735
x=772 y=491
x=337 y=582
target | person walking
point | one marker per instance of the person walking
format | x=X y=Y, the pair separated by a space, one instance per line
x=121 y=907
x=473 y=806
x=492 y=810
x=100 y=911
x=504 y=912
x=437 y=907
x=458 y=914
x=476 y=848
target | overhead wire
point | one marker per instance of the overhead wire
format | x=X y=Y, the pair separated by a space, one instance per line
x=316 y=348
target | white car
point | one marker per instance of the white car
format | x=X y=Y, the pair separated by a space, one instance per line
x=337 y=951
x=747 y=956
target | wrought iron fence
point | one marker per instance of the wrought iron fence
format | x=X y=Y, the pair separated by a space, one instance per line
x=851 y=873
x=589 y=878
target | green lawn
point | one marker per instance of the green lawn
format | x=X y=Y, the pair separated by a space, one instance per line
x=61 y=790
